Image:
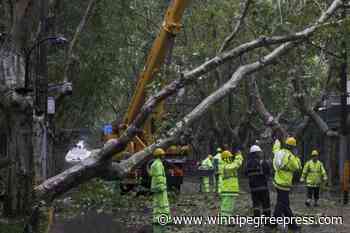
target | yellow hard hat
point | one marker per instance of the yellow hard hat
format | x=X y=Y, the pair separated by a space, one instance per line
x=226 y=154
x=219 y=150
x=210 y=156
x=314 y=153
x=291 y=141
x=158 y=152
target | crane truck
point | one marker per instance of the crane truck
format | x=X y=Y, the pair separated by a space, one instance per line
x=176 y=154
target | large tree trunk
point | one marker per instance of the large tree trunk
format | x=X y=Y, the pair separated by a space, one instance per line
x=17 y=128
x=94 y=165
x=20 y=173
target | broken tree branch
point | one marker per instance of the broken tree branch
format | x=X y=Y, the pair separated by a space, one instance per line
x=125 y=166
x=94 y=165
x=203 y=107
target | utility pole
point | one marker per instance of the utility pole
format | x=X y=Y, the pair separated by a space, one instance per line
x=343 y=147
x=42 y=79
x=40 y=97
x=43 y=87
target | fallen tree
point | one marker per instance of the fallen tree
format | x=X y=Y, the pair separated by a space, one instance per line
x=97 y=164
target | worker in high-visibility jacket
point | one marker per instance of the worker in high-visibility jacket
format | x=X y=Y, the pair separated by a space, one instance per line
x=159 y=190
x=285 y=163
x=314 y=174
x=218 y=170
x=230 y=184
x=206 y=164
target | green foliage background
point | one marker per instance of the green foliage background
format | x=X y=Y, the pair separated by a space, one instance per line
x=113 y=48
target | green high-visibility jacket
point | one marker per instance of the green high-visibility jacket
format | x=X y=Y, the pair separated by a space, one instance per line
x=230 y=182
x=314 y=173
x=219 y=162
x=157 y=173
x=207 y=164
x=285 y=163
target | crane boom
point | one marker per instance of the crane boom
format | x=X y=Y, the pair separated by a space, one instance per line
x=156 y=57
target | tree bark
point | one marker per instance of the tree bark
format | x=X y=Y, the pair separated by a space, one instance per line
x=92 y=166
x=20 y=174
x=16 y=108
x=265 y=115
x=306 y=109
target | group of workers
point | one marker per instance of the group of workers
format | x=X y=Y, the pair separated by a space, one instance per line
x=258 y=170
x=226 y=166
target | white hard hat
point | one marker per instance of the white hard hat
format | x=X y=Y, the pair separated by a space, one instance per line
x=255 y=148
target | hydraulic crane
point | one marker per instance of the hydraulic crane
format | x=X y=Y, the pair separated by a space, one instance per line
x=156 y=58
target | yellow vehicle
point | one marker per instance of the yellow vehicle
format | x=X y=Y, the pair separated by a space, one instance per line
x=175 y=155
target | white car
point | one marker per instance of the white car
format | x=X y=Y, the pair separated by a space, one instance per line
x=77 y=153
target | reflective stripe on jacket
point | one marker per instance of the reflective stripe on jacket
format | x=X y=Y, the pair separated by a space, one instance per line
x=158 y=182
x=314 y=173
x=285 y=164
x=207 y=164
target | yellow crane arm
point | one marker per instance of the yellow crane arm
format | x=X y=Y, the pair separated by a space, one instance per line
x=156 y=57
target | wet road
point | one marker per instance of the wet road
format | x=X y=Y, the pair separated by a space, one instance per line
x=136 y=219
x=91 y=222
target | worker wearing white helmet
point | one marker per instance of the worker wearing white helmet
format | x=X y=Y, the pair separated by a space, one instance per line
x=258 y=172
x=255 y=148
